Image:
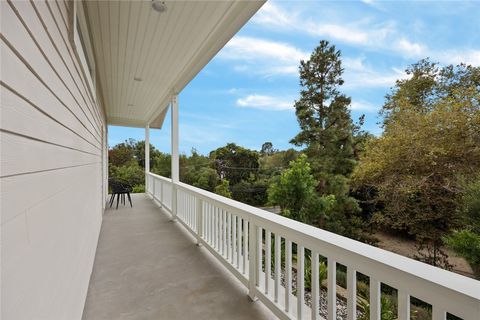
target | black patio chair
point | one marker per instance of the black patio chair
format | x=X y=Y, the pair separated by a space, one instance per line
x=120 y=188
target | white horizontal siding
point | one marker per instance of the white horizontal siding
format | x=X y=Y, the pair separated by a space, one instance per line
x=52 y=136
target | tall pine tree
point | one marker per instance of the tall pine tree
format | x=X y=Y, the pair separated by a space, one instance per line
x=327 y=132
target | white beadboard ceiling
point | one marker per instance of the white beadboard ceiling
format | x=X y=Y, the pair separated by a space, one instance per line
x=165 y=50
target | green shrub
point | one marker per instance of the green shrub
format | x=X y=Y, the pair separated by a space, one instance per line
x=322 y=272
x=466 y=242
x=387 y=309
x=223 y=189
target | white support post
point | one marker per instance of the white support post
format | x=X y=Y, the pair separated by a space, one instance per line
x=147 y=156
x=175 y=161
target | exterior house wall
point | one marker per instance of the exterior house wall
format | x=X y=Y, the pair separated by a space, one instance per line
x=52 y=134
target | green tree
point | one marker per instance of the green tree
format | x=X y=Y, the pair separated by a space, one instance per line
x=223 y=189
x=327 y=132
x=121 y=154
x=234 y=163
x=431 y=137
x=294 y=188
x=124 y=165
x=197 y=171
x=161 y=164
x=323 y=115
x=139 y=152
x=294 y=192
x=267 y=149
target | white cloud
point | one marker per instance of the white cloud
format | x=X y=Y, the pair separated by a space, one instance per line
x=263 y=56
x=358 y=33
x=270 y=14
x=250 y=48
x=342 y=33
x=455 y=57
x=409 y=48
x=384 y=36
x=378 y=36
x=363 y=106
x=264 y=102
x=360 y=75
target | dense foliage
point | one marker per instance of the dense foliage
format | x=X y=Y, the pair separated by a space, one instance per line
x=231 y=171
x=466 y=241
x=430 y=143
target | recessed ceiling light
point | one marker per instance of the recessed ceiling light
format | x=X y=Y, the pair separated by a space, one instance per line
x=159 y=6
x=137 y=79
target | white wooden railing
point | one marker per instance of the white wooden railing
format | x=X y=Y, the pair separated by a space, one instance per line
x=238 y=235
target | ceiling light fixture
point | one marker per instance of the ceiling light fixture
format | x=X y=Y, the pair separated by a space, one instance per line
x=137 y=79
x=159 y=6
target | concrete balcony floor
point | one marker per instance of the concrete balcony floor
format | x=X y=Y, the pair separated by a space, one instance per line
x=147 y=267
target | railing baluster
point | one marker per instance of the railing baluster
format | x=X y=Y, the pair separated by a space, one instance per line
x=351 y=294
x=228 y=234
x=268 y=260
x=220 y=231
x=153 y=186
x=174 y=202
x=288 y=275
x=234 y=239
x=199 y=223
x=210 y=227
x=246 y=226
x=239 y=240
x=258 y=257
x=210 y=213
x=278 y=265
x=300 y=280
x=315 y=285
x=224 y=232
x=253 y=248
x=332 y=289
x=438 y=313
x=375 y=295
x=403 y=305
x=205 y=221
x=190 y=210
x=219 y=221
x=161 y=193
x=217 y=228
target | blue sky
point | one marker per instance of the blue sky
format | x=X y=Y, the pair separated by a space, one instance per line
x=246 y=93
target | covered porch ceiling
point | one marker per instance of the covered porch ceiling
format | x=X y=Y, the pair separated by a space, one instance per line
x=144 y=56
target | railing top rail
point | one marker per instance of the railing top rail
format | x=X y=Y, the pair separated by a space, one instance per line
x=347 y=248
x=159 y=177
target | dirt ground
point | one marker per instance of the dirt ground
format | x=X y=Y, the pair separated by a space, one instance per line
x=407 y=248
